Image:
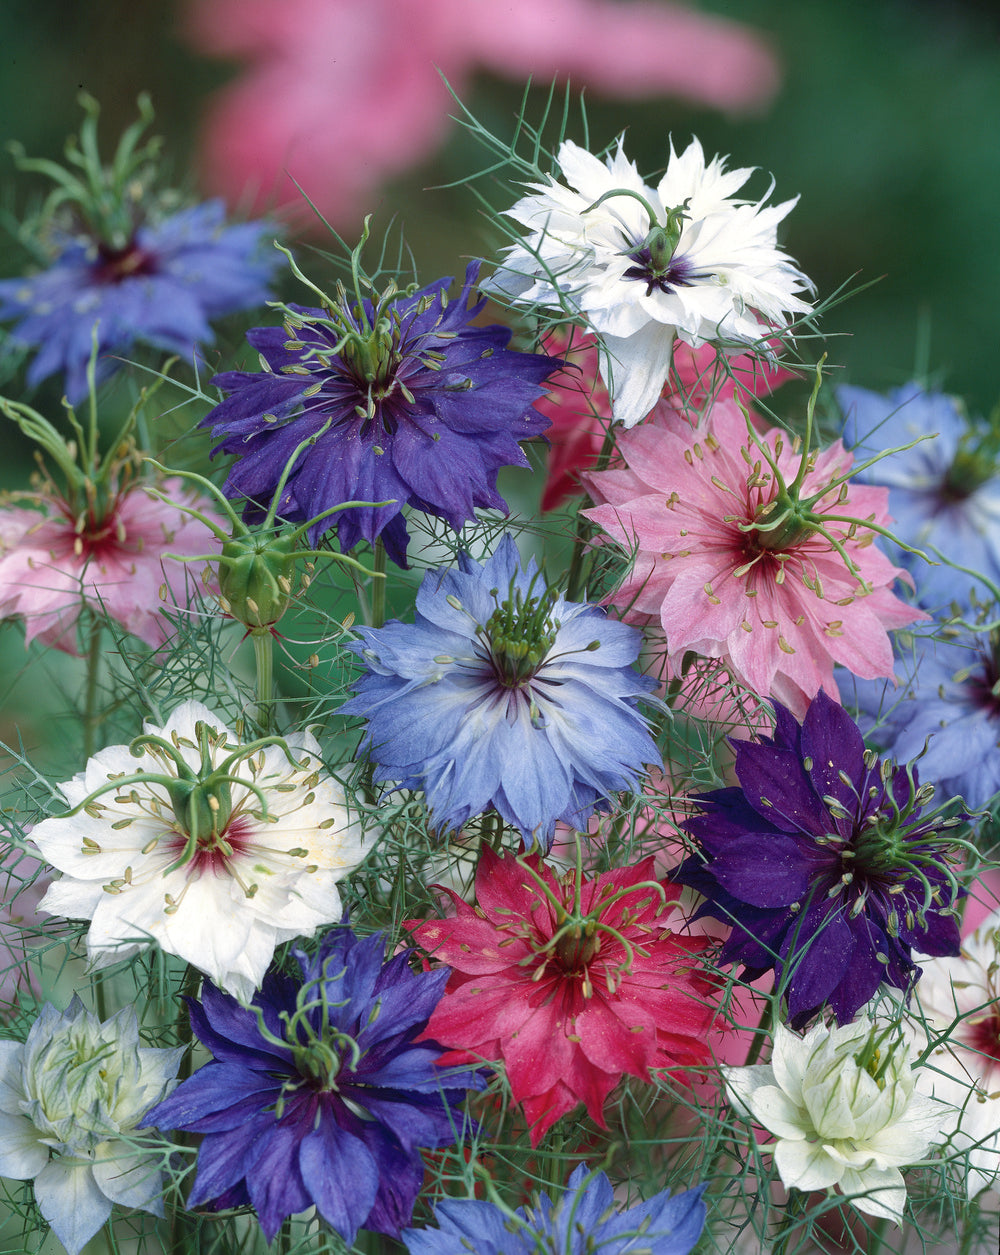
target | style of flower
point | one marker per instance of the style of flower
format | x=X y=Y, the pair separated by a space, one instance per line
x=947 y=712
x=218 y=851
x=578 y=406
x=747 y=551
x=122 y=557
x=823 y=864
x=641 y=266
x=319 y=1094
x=408 y=402
x=943 y=493
x=290 y=120
x=582 y=1220
x=505 y=696
x=71 y=1097
x=843 y=1107
x=958 y=1004
x=571 y=982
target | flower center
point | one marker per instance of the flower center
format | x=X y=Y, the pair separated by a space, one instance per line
x=519 y=634
x=117 y=264
x=983 y=681
x=973 y=466
x=982 y=1034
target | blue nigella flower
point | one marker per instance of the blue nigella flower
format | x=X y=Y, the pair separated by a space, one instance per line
x=160 y=289
x=950 y=701
x=823 y=864
x=582 y=1222
x=503 y=695
x=319 y=1093
x=407 y=403
x=943 y=492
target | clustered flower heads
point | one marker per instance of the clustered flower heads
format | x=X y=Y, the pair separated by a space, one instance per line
x=571 y=981
x=641 y=265
x=844 y=1110
x=71 y=1097
x=824 y=865
x=319 y=1094
x=406 y=401
x=218 y=851
x=582 y=1220
x=504 y=695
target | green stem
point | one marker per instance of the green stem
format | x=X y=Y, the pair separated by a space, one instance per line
x=378 y=586
x=877 y=1234
x=753 y=1054
x=92 y=718
x=263 y=652
x=576 y=583
x=794 y=1211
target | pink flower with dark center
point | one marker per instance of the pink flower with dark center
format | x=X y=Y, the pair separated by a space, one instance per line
x=112 y=559
x=752 y=552
x=340 y=96
x=571 y=985
x=580 y=410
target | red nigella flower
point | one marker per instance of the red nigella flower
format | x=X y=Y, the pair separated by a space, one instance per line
x=570 y=982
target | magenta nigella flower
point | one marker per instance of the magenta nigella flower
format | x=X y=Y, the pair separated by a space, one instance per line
x=408 y=402
x=319 y=1093
x=135 y=273
x=824 y=866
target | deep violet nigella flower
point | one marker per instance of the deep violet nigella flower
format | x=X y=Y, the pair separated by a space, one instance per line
x=503 y=695
x=128 y=271
x=319 y=1093
x=408 y=404
x=581 y=1221
x=823 y=864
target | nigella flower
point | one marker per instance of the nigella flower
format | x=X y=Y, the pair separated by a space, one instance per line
x=823 y=864
x=319 y=1094
x=132 y=274
x=504 y=695
x=407 y=403
x=749 y=551
x=641 y=266
x=71 y=1098
x=947 y=712
x=943 y=493
x=217 y=850
x=571 y=981
x=581 y=1221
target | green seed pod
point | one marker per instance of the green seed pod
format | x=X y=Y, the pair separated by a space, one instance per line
x=256 y=575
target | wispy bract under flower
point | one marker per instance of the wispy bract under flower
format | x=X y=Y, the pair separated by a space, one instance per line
x=582 y=1220
x=409 y=404
x=641 y=266
x=217 y=851
x=572 y=983
x=319 y=1094
x=824 y=865
x=504 y=695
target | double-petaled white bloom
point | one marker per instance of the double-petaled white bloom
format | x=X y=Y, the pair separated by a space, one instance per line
x=70 y=1097
x=959 y=1001
x=642 y=265
x=216 y=850
x=843 y=1109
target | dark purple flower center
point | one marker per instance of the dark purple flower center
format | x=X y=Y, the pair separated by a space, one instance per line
x=675 y=273
x=983 y=682
x=113 y=265
x=982 y=1034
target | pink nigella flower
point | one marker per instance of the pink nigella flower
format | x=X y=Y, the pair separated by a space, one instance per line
x=341 y=95
x=571 y=982
x=54 y=561
x=579 y=408
x=745 y=550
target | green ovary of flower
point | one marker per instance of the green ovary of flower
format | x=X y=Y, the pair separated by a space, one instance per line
x=73 y=1085
x=519 y=635
x=255 y=579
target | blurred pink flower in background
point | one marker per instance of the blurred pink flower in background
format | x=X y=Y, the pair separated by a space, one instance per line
x=341 y=96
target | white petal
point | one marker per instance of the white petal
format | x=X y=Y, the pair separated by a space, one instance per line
x=22 y=1155
x=129 y=1179
x=635 y=370
x=70 y=1200
x=11 y=1075
x=805 y=1165
x=877 y=1193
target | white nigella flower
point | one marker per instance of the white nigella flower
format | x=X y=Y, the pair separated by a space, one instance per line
x=70 y=1097
x=964 y=1069
x=215 y=850
x=642 y=265
x=844 y=1111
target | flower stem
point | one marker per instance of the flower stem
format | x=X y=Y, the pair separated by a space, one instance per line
x=378 y=586
x=584 y=528
x=263 y=652
x=753 y=1054
x=92 y=718
x=794 y=1211
x=877 y=1234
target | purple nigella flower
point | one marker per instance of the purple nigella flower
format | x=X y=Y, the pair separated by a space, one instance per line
x=159 y=288
x=943 y=492
x=407 y=403
x=319 y=1093
x=503 y=695
x=822 y=864
x=582 y=1221
x=950 y=702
